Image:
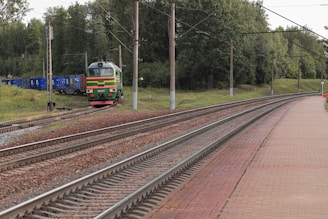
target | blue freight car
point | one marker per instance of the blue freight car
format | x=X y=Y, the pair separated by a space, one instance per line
x=5 y=81
x=16 y=82
x=38 y=83
x=26 y=83
x=60 y=83
x=69 y=84
x=76 y=84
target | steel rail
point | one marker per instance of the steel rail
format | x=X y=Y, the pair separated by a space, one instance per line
x=26 y=147
x=15 y=163
x=131 y=201
x=14 y=125
x=144 y=191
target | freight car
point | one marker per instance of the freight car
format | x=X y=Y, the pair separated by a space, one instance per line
x=104 y=83
x=69 y=84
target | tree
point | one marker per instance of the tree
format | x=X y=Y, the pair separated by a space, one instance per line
x=77 y=39
x=34 y=39
x=202 y=47
x=35 y=49
x=58 y=19
x=12 y=10
x=12 y=48
x=154 y=46
x=123 y=12
x=204 y=32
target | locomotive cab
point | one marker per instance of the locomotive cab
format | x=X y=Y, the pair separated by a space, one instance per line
x=104 y=83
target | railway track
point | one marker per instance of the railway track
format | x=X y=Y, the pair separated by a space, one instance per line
x=117 y=190
x=27 y=154
x=10 y=126
x=14 y=125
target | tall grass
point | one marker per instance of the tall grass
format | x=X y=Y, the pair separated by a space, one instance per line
x=159 y=99
x=16 y=103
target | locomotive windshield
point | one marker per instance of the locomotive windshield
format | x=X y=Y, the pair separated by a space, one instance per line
x=97 y=72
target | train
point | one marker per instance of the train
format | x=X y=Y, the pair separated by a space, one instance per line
x=102 y=83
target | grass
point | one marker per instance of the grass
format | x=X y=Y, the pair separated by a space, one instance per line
x=159 y=99
x=17 y=103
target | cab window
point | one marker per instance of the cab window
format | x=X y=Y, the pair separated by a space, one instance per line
x=106 y=72
x=96 y=72
x=118 y=74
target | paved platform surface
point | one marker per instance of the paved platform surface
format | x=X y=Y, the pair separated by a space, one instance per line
x=276 y=169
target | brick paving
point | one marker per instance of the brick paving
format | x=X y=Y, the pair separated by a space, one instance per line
x=276 y=169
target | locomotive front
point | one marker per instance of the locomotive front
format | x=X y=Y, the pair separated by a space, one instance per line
x=104 y=83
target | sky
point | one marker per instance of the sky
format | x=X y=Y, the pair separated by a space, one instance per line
x=312 y=13
x=39 y=7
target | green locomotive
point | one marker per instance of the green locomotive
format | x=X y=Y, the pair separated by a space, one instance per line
x=104 y=83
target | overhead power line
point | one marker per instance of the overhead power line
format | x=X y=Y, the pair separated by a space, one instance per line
x=192 y=27
x=305 y=28
x=115 y=20
x=298 y=6
x=276 y=31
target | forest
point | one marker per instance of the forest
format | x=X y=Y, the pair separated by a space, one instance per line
x=207 y=31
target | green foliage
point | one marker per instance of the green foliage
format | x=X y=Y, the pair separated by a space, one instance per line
x=155 y=46
x=155 y=75
x=206 y=30
x=12 y=10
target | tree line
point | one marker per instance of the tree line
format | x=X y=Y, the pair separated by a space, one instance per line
x=206 y=30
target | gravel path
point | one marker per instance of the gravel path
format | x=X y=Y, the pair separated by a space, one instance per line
x=8 y=137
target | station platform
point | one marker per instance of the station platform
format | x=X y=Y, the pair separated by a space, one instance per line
x=277 y=168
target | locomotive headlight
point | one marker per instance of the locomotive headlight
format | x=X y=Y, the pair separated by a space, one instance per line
x=89 y=91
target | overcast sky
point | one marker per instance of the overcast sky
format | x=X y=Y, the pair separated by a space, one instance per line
x=39 y=7
x=311 y=13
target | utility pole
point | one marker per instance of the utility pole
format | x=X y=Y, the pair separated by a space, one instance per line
x=43 y=68
x=172 y=57
x=86 y=61
x=135 y=58
x=49 y=72
x=231 y=68
x=299 y=77
x=120 y=64
x=272 y=74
